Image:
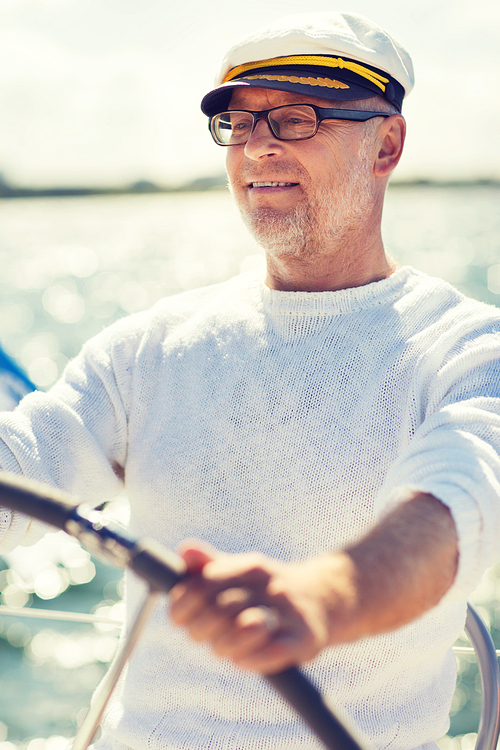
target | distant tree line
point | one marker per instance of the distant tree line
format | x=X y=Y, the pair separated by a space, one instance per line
x=200 y=184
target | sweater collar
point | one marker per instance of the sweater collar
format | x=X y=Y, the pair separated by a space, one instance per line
x=343 y=301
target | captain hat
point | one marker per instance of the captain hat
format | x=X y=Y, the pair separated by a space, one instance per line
x=338 y=56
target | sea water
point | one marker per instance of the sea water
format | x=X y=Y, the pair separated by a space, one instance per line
x=71 y=266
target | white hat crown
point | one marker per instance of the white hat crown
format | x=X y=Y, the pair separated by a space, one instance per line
x=345 y=34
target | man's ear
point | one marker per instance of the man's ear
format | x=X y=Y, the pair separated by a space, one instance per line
x=392 y=137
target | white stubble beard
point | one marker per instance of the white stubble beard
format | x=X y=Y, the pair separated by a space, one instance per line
x=312 y=225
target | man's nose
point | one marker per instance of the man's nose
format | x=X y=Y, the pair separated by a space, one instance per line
x=262 y=141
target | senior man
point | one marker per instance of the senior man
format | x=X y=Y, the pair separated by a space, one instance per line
x=331 y=431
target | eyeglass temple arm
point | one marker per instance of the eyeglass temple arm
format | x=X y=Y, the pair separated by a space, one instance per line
x=358 y=115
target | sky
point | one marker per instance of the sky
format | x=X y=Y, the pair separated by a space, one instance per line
x=107 y=92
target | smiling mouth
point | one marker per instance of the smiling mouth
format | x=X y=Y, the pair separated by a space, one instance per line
x=272 y=184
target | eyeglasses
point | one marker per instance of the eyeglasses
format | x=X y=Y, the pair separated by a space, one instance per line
x=291 y=122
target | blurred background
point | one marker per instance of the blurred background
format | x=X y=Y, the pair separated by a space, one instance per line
x=112 y=195
x=107 y=92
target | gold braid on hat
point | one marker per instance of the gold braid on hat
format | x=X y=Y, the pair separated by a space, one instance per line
x=329 y=62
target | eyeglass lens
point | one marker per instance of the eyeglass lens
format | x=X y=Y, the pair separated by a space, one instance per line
x=287 y=123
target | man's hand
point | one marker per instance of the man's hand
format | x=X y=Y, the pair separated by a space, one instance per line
x=263 y=614
x=266 y=615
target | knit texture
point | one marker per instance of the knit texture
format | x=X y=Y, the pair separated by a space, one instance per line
x=288 y=423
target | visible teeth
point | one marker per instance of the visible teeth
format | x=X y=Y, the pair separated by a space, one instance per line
x=272 y=184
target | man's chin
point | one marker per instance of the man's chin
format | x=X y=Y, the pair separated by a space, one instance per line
x=273 y=229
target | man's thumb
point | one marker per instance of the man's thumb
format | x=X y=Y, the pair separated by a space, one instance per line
x=196 y=555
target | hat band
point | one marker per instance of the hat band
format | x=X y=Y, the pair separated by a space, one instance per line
x=329 y=62
x=329 y=83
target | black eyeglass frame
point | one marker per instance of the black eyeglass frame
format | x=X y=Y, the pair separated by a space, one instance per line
x=322 y=113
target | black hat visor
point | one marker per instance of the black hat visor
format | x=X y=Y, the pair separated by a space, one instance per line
x=316 y=81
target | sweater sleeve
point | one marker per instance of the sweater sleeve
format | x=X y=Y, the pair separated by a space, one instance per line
x=75 y=436
x=454 y=453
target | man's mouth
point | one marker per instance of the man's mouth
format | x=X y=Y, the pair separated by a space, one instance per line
x=271 y=184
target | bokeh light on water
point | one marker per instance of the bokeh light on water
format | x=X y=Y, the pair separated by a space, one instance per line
x=72 y=266
x=49 y=668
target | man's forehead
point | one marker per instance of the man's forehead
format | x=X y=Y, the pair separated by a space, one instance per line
x=256 y=98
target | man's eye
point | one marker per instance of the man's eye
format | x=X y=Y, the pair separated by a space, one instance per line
x=239 y=126
x=297 y=120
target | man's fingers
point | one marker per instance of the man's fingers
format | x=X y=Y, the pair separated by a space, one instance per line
x=187 y=601
x=240 y=606
x=279 y=652
x=214 y=622
x=272 y=658
x=237 y=596
x=271 y=618
x=192 y=604
x=196 y=555
x=225 y=570
x=209 y=626
x=255 y=646
x=260 y=616
x=249 y=631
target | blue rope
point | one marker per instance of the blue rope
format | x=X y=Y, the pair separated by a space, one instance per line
x=11 y=368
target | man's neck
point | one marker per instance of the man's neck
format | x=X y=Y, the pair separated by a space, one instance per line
x=350 y=264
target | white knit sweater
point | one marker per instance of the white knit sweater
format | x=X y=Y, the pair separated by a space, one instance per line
x=283 y=422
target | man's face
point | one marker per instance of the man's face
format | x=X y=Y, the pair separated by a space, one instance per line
x=325 y=184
